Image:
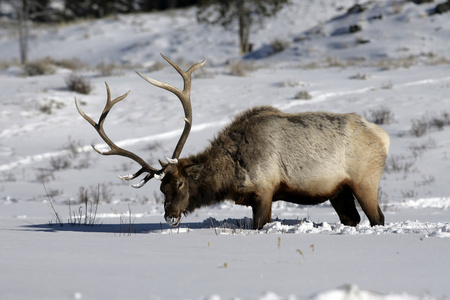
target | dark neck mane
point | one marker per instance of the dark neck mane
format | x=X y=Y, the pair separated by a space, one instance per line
x=217 y=179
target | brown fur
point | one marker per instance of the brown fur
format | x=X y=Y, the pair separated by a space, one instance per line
x=266 y=155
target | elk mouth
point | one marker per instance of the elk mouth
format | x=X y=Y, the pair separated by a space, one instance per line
x=173 y=221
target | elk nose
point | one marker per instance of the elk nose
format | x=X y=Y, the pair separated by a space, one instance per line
x=173 y=221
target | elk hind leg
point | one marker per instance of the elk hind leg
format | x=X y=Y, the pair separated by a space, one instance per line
x=367 y=196
x=344 y=204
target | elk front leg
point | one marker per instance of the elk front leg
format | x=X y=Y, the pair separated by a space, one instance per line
x=262 y=210
x=344 y=204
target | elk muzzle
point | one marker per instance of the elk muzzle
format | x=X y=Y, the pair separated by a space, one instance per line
x=172 y=221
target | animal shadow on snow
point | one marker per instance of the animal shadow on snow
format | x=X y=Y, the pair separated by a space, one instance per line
x=142 y=228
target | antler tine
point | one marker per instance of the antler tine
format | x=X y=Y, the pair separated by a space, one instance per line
x=114 y=149
x=185 y=98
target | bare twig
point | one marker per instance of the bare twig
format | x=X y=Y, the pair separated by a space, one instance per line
x=55 y=213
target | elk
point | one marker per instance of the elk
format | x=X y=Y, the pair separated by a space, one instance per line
x=266 y=155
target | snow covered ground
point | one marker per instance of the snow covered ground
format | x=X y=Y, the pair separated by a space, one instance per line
x=397 y=64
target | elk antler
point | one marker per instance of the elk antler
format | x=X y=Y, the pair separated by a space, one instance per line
x=114 y=149
x=185 y=98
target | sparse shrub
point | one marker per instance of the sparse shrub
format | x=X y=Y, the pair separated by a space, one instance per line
x=60 y=163
x=409 y=193
x=441 y=121
x=426 y=180
x=8 y=177
x=84 y=162
x=418 y=149
x=331 y=62
x=361 y=41
x=71 y=157
x=157 y=66
x=240 y=69
x=303 y=95
x=354 y=28
x=438 y=123
x=5 y=64
x=47 y=108
x=104 y=191
x=359 y=76
x=437 y=60
x=311 y=65
x=108 y=69
x=202 y=73
x=356 y=9
x=383 y=199
x=381 y=116
x=101 y=192
x=39 y=67
x=387 y=85
x=442 y=8
x=397 y=164
x=278 y=45
x=397 y=7
x=45 y=175
x=73 y=147
x=396 y=63
x=53 y=192
x=86 y=215
x=291 y=83
x=71 y=64
x=79 y=84
x=419 y=127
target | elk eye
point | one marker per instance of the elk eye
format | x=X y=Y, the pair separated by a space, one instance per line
x=180 y=184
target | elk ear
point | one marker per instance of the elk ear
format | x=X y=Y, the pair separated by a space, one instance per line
x=193 y=170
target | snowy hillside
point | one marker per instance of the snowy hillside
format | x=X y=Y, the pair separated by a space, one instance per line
x=394 y=66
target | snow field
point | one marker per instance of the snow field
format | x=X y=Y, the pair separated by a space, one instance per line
x=305 y=253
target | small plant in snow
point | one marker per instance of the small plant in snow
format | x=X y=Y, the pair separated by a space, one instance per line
x=441 y=121
x=422 y=126
x=397 y=164
x=303 y=95
x=45 y=175
x=359 y=76
x=48 y=106
x=108 y=69
x=380 y=116
x=426 y=180
x=71 y=64
x=387 y=85
x=289 y=83
x=418 y=149
x=383 y=199
x=126 y=226
x=409 y=193
x=79 y=84
x=278 y=45
x=419 y=127
x=157 y=66
x=87 y=211
x=56 y=216
x=59 y=163
x=241 y=69
x=39 y=67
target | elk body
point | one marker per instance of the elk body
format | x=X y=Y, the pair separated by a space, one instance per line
x=266 y=155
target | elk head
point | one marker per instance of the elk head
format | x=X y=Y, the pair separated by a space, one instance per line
x=174 y=175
